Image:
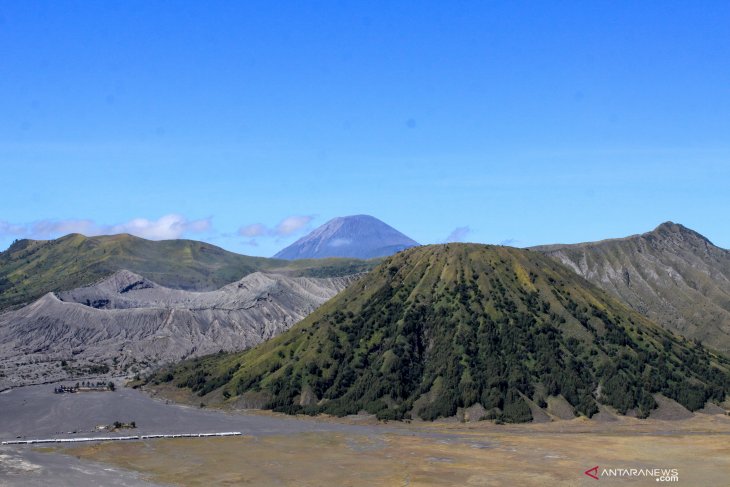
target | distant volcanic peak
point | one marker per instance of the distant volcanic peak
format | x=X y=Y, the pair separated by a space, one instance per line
x=345 y=229
x=355 y=236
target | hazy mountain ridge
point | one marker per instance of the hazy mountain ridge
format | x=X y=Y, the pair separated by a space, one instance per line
x=127 y=322
x=437 y=328
x=357 y=236
x=673 y=275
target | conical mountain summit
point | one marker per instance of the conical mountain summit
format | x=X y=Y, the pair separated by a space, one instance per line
x=357 y=236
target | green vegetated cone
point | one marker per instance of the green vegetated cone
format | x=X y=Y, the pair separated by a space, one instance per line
x=440 y=327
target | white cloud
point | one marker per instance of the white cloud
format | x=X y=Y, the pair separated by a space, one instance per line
x=458 y=234
x=7 y=228
x=291 y=224
x=253 y=230
x=47 y=228
x=166 y=227
x=284 y=228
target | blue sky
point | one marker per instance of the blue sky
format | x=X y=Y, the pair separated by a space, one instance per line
x=247 y=123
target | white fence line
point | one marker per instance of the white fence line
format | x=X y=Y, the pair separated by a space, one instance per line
x=118 y=438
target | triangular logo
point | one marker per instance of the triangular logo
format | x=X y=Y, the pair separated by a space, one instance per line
x=592 y=472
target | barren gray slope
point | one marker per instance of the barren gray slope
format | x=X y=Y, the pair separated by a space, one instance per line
x=128 y=322
x=672 y=275
x=357 y=236
x=125 y=290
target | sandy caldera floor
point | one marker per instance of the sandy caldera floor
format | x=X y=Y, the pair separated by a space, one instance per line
x=432 y=454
